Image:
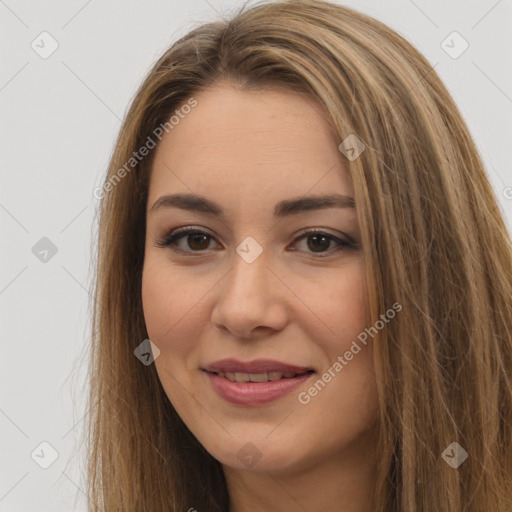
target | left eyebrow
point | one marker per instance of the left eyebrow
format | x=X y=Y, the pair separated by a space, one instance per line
x=319 y=202
x=193 y=202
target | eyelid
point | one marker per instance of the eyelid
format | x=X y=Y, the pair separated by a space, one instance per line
x=349 y=239
x=178 y=233
x=342 y=244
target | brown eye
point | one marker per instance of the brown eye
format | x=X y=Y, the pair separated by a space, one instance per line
x=193 y=239
x=197 y=242
x=320 y=243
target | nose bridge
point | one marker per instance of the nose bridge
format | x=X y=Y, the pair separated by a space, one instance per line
x=248 y=278
x=247 y=300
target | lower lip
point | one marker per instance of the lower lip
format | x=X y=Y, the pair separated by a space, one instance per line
x=255 y=393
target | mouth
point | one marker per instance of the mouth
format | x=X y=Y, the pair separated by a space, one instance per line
x=258 y=370
x=256 y=382
x=259 y=377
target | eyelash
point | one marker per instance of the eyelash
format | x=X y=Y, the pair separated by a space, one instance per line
x=169 y=241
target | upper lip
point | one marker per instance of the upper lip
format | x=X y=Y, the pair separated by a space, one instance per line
x=255 y=366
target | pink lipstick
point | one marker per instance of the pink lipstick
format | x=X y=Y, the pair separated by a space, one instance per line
x=255 y=382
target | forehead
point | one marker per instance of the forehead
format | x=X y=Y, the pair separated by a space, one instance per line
x=250 y=145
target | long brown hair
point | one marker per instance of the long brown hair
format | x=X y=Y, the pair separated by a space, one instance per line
x=433 y=239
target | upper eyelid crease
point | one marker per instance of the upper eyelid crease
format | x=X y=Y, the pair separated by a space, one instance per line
x=193 y=202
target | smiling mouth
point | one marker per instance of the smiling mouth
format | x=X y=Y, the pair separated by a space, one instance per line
x=259 y=377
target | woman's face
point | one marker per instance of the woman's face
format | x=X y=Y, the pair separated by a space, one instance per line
x=254 y=294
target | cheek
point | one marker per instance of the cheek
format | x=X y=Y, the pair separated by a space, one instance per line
x=168 y=301
x=340 y=309
x=165 y=311
x=353 y=388
x=157 y=303
x=175 y=314
x=171 y=310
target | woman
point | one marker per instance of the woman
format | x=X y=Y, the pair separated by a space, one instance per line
x=304 y=283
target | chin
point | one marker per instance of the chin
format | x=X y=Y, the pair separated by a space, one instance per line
x=255 y=453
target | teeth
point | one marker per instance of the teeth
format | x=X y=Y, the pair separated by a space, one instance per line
x=258 y=377
x=255 y=377
x=242 y=377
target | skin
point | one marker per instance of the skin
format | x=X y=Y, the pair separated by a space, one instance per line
x=248 y=150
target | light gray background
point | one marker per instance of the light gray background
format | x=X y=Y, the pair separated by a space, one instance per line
x=59 y=119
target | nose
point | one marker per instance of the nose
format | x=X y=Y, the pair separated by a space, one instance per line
x=251 y=300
